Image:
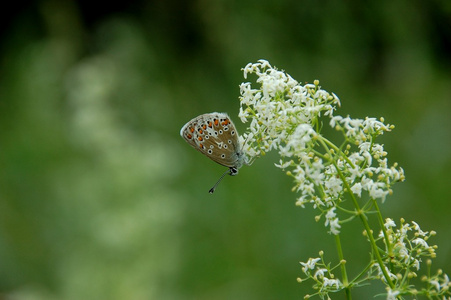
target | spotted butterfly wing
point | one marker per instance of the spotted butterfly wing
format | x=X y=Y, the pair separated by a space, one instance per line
x=215 y=136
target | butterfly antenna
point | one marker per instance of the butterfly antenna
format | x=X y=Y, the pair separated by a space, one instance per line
x=212 y=190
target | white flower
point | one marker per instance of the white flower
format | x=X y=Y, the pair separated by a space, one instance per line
x=298 y=140
x=330 y=214
x=333 y=186
x=378 y=150
x=365 y=147
x=416 y=264
x=307 y=188
x=320 y=273
x=334 y=120
x=331 y=282
x=315 y=172
x=249 y=68
x=445 y=280
x=418 y=229
x=283 y=165
x=335 y=226
x=420 y=241
x=301 y=201
x=392 y=294
x=354 y=171
x=357 y=189
x=436 y=284
x=264 y=64
x=310 y=264
x=367 y=156
x=376 y=190
x=332 y=221
x=389 y=223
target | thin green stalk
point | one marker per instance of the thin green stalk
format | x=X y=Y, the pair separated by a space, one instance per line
x=384 y=230
x=363 y=272
x=343 y=267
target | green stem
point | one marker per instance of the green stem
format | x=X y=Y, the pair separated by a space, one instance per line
x=364 y=271
x=389 y=247
x=368 y=230
x=343 y=267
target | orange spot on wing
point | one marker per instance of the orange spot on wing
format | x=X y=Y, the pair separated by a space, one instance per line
x=200 y=139
x=226 y=121
x=191 y=129
x=216 y=121
x=210 y=124
x=189 y=136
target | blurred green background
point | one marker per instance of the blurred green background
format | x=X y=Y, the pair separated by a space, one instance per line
x=100 y=198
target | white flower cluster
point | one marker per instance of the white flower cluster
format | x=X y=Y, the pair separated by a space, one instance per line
x=325 y=283
x=287 y=116
x=281 y=111
x=409 y=244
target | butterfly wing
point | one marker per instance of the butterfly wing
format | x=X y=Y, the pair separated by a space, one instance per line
x=215 y=136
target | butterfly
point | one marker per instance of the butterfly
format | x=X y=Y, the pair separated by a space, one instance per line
x=215 y=136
